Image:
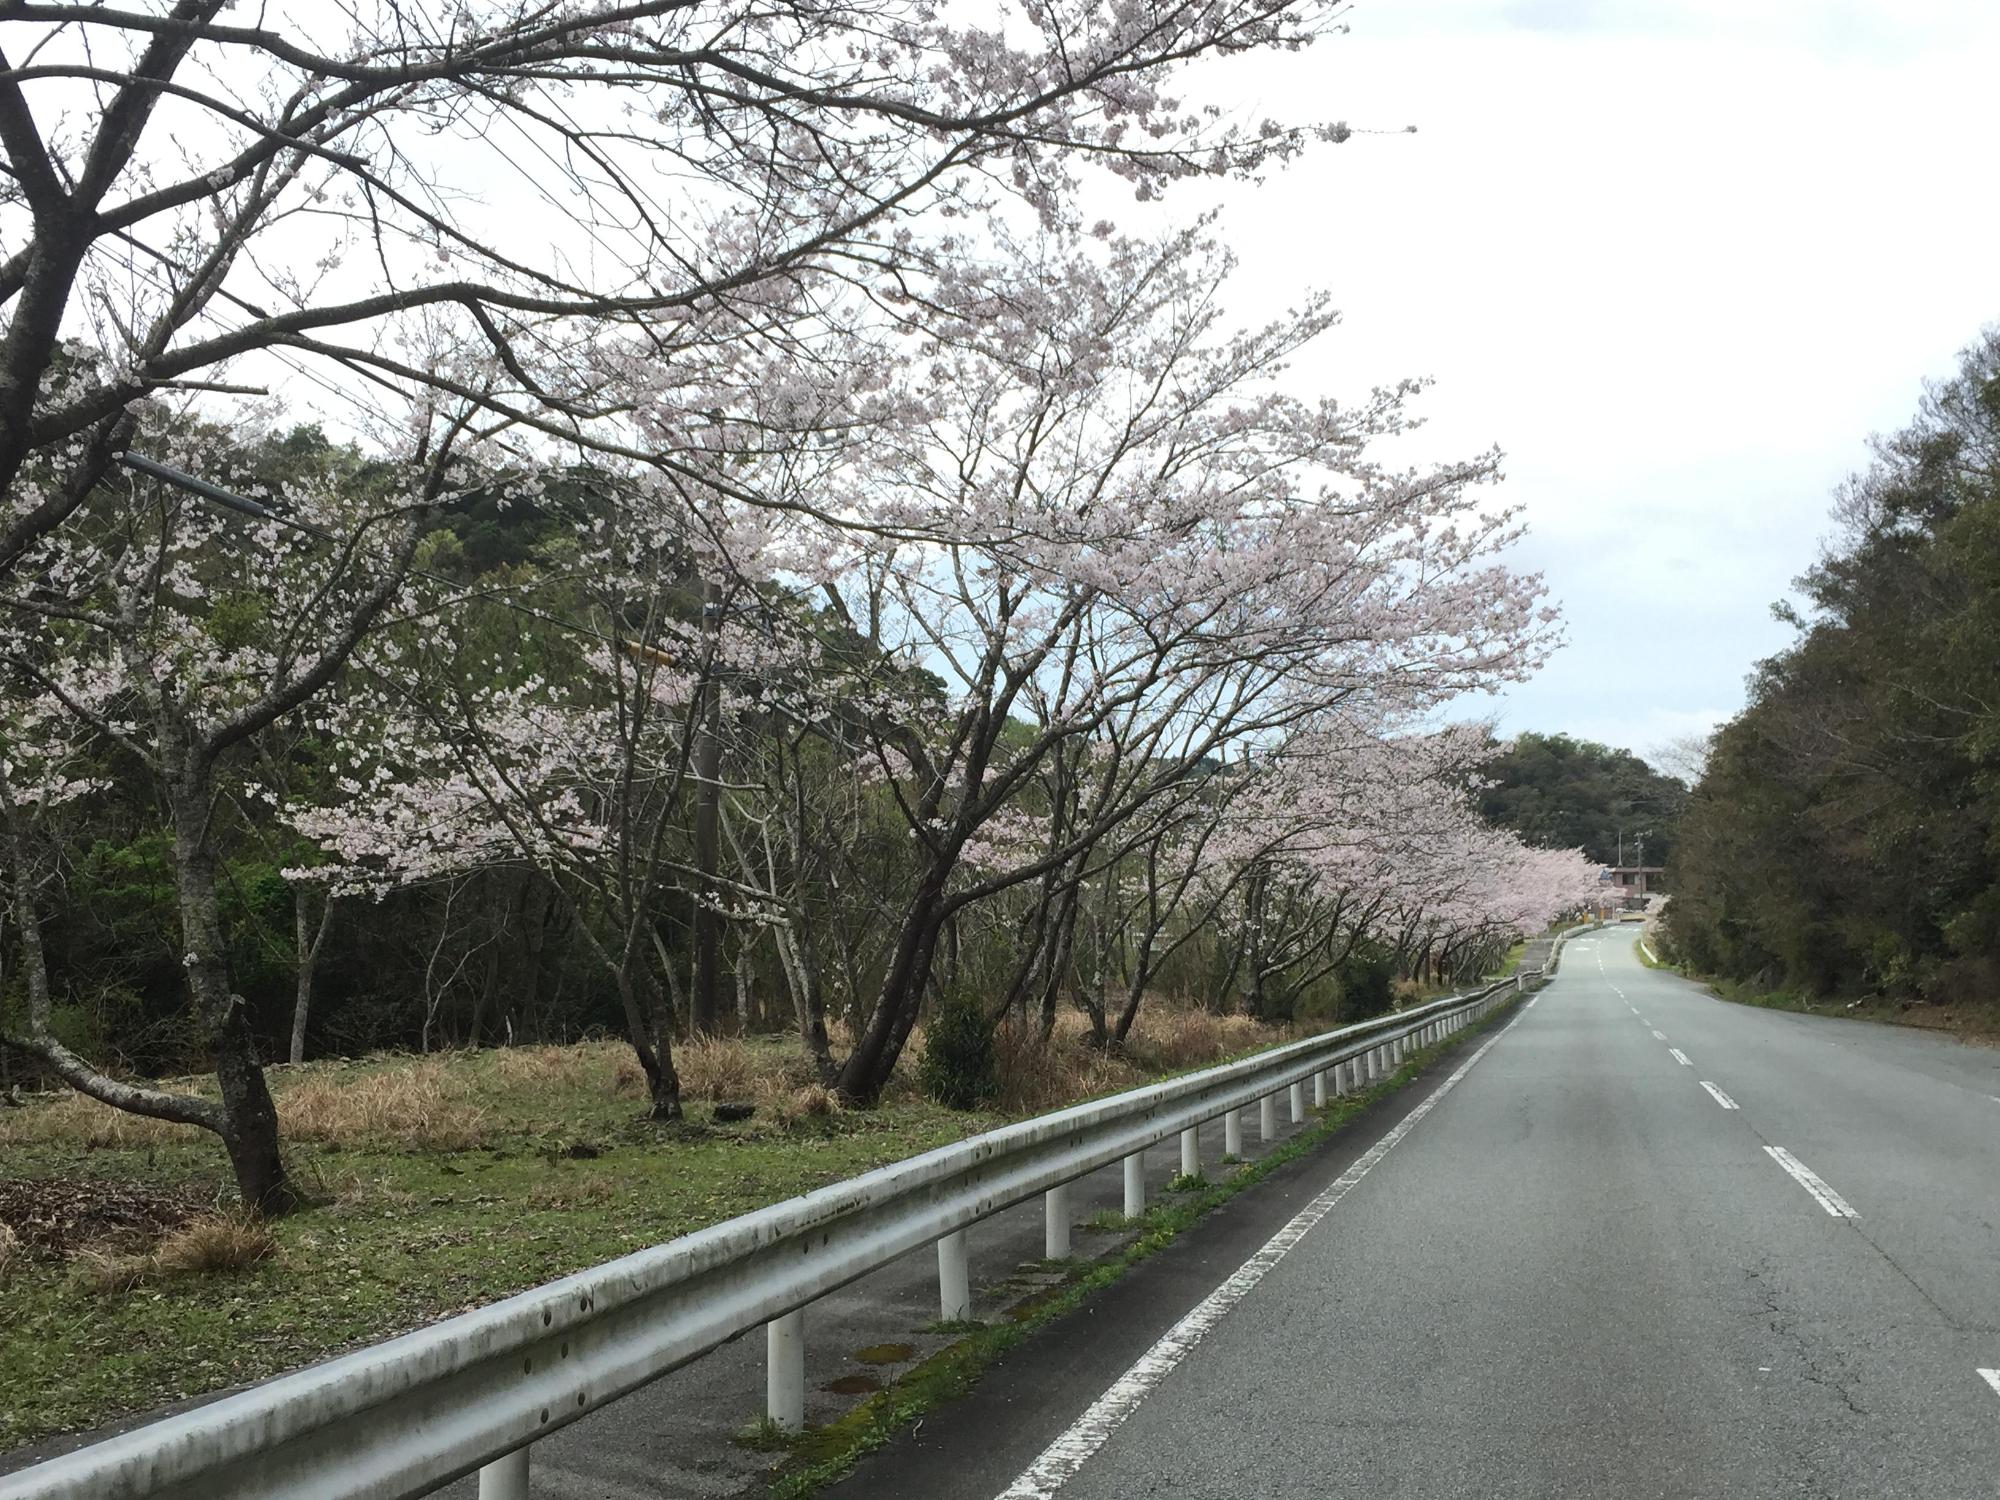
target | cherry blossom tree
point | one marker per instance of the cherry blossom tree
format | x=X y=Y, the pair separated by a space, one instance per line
x=192 y=193
x=175 y=635
x=1127 y=530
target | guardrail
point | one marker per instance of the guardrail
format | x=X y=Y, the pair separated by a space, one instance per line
x=474 y=1392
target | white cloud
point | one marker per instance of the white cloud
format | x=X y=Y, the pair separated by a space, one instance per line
x=1678 y=259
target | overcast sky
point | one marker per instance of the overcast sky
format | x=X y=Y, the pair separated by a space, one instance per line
x=1679 y=259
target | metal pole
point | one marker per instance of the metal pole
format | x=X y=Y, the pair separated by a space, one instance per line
x=1298 y=1092
x=954 y=1283
x=1191 y=1151
x=1267 y=1118
x=784 y=1372
x=505 y=1478
x=1319 y=1089
x=1135 y=1184
x=1232 y=1134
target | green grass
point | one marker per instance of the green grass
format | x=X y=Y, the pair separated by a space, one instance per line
x=405 y=1237
x=824 y=1454
x=1510 y=963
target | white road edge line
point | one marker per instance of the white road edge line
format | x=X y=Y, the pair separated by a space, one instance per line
x=1992 y=1378
x=1060 y=1461
x=1680 y=1057
x=1720 y=1098
x=1811 y=1181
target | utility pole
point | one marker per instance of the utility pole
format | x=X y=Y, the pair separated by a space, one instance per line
x=704 y=1006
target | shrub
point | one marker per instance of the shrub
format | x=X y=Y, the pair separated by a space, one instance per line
x=1367 y=984
x=958 y=1069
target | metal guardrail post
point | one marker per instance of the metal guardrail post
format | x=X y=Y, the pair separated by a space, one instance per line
x=784 y=1375
x=1191 y=1151
x=1232 y=1133
x=505 y=1478
x=1319 y=1089
x=954 y=1282
x=1055 y=1222
x=1267 y=1118
x=1135 y=1184
x=1298 y=1096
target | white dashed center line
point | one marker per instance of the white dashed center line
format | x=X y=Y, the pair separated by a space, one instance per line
x=1810 y=1180
x=1659 y=1036
x=1720 y=1098
x=1992 y=1378
x=1680 y=1057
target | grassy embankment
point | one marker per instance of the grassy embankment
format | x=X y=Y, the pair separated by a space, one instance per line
x=443 y=1183
x=1970 y=1021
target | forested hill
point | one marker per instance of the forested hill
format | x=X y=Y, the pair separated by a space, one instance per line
x=1842 y=837
x=1564 y=793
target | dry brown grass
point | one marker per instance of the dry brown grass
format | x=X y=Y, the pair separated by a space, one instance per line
x=213 y=1246
x=1167 y=1039
x=11 y=1253
x=217 y=1245
x=595 y=1066
x=420 y=1104
x=76 y=1118
x=1035 y=1077
x=811 y=1101
x=719 y=1069
x=107 y=1272
x=729 y=1070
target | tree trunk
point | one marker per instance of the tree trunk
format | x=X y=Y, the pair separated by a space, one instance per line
x=308 y=938
x=705 y=1011
x=900 y=995
x=250 y=1119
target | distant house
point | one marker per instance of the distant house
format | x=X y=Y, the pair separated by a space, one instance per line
x=1634 y=881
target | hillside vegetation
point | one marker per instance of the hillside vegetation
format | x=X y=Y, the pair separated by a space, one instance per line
x=1845 y=839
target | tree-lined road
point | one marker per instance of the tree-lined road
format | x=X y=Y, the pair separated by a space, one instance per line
x=1644 y=1243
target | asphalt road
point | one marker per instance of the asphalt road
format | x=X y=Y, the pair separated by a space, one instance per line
x=1579 y=1267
